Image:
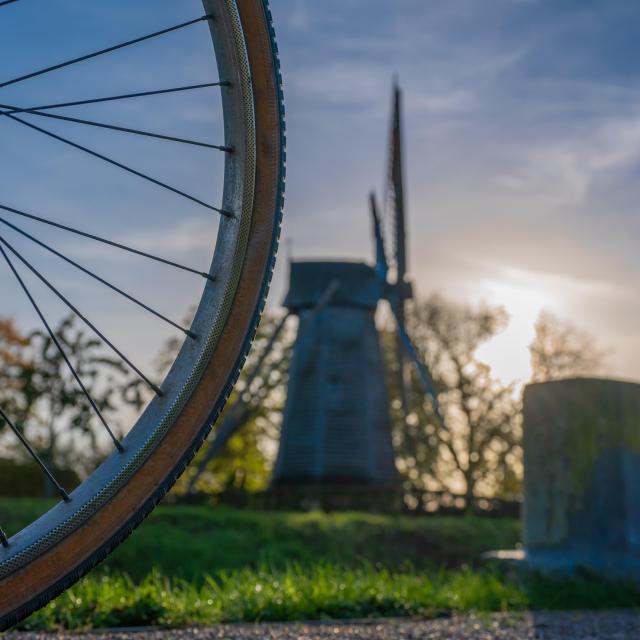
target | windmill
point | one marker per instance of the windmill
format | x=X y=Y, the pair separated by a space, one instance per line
x=336 y=428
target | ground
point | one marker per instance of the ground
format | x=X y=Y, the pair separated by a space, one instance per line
x=529 y=626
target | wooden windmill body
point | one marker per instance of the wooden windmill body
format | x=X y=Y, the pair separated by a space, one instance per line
x=336 y=427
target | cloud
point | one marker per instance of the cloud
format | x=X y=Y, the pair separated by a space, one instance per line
x=567 y=170
x=186 y=236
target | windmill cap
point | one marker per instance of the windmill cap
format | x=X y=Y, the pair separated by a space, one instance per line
x=358 y=285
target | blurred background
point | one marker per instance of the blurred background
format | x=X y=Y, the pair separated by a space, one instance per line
x=517 y=132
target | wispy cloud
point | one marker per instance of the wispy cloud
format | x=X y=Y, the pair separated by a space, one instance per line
x=566 y=170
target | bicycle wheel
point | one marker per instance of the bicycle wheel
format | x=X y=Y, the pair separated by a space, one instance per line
x=40 y=561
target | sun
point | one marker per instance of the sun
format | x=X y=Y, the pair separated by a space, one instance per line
x=523 y=296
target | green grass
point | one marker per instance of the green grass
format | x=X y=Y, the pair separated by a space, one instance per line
x=194 y=542
x=197 y=565
x=318 y=593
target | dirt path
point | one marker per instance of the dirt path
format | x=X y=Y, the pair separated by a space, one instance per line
x=530 y=626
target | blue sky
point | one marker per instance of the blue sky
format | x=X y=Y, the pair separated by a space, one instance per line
x=523 y=145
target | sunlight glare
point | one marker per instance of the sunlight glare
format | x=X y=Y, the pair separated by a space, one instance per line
x=523 y=297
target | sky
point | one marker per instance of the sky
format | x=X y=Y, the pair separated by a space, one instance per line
x=522 y=131
x=522 y=126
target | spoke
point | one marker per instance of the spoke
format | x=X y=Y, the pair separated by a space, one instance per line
x=82 y=317
x=106 y=241
x=34 y=455
x=3 y=536
x=125 y=96
x=98 y=278
x=101 y=52
x=55 y=340
x=113 y=127
x=115 y=163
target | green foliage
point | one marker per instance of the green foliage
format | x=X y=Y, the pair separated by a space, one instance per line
x=192 y=543
x=293 y=593
x=25 y=480
x=12 y=361
x=197 y=565
x=55 y=407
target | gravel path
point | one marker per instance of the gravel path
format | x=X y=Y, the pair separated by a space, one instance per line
x=530 y=626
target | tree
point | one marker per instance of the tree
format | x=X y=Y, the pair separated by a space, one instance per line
x=478 y=452
x=562 y=350
x=12 y=360
x=50 y=407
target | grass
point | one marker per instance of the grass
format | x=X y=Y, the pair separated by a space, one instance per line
x=193 y=542
x=196 y=565
x=318 y=593
x=295 y=593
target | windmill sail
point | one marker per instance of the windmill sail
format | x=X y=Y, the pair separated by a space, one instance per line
x=400 y=287
x=239 y=412
x=396 y=202
x=382 y=266
x=424 y=375
x=396 y=189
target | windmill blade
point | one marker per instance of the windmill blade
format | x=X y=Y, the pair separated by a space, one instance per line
x=235 y=418
x=400 y=290
x=396 y=185
x=239 y=412
x=423 y=371
x=382 y=266
x=324 y=299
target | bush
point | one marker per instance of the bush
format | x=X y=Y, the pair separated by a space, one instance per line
x=25 y=479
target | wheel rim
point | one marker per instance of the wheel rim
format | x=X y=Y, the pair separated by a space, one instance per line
x=212 y=316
